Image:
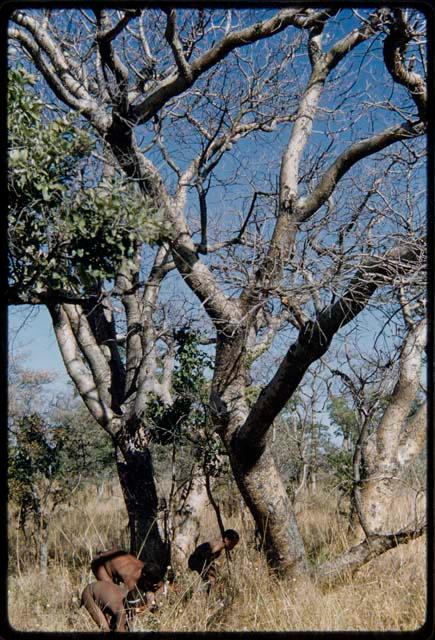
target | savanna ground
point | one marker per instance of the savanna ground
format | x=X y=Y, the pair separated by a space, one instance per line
x=389 y=593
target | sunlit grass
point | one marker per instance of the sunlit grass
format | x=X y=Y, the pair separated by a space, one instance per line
x=389 y=593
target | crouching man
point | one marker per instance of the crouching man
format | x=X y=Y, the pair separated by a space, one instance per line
x=116 y=566
x=202 y=559
x=108 y=605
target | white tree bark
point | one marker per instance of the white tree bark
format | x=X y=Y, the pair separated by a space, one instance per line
x=393 y=446
x=187 y=521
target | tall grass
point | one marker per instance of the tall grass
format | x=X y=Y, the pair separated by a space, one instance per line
x=389 y=593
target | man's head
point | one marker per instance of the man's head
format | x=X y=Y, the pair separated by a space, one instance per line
x=151 y=577
x=230 y=538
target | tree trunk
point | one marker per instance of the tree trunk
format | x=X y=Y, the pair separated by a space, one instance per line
x=43 y=547
x=252 y=463
x=303 y=479
x=382 y=493
x=264 y=493
x=187 y=520
x=136 y=477
x=314 y=457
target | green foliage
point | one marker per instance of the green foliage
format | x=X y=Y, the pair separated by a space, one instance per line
x=63 y=235
x=343 y=417
x=186 y=414
x=47 y=460
x=213 y=456
x=87 y=451
x=191 y=363
x=42 y=155
x=36 y=480
x=186 y=422
x=339 y=463
x=102 y=226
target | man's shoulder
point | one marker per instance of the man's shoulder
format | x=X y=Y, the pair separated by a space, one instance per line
x=204 y=548
x=126 y=565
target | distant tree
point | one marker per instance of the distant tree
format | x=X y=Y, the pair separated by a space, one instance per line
x=87 y=453
x=50 y=454
x=28 y=389
x=299 y=441
x=39 y=482
x=345 y=421
x=47 y=464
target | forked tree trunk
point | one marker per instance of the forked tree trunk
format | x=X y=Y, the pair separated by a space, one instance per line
x=252 y=463
x=147 y=539
x=303 y=483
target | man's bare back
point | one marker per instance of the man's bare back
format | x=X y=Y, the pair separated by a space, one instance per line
x=117 y=566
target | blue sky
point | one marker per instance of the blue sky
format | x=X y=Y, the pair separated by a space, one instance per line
x=31 y=334
x=35 y=337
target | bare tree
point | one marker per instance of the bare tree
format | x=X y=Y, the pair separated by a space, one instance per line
x=196 y=104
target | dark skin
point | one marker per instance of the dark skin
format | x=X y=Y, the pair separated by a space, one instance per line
x=107 y=606
x=117 y=566
x=202 y=559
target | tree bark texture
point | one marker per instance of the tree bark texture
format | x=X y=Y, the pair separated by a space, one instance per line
x=187 y=521
x=43 y=546
x=395 y=444
x=265 y=495
x=136 y=477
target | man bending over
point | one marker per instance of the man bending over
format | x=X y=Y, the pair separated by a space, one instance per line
x=202 y=559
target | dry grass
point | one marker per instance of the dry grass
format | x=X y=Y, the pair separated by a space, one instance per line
x=389 y=593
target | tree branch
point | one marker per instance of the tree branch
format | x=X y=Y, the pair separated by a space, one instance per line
x=291 y=209
x=60 y=77
x=146 y=379
x=308 y=205
x=340 y=49
x=177 y=83
x=112 y=32
x=331 y=571
x=75 y=365
x=110 y=58
x=125 y=285
x=92 y=353
x=54 y=54
x=394 y=57
x=314 y=340
x=99 y=312
x=47 y=69
x=171 y=35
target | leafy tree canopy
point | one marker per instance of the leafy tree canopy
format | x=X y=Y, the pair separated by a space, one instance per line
x=186 y=414
x=67 y=230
